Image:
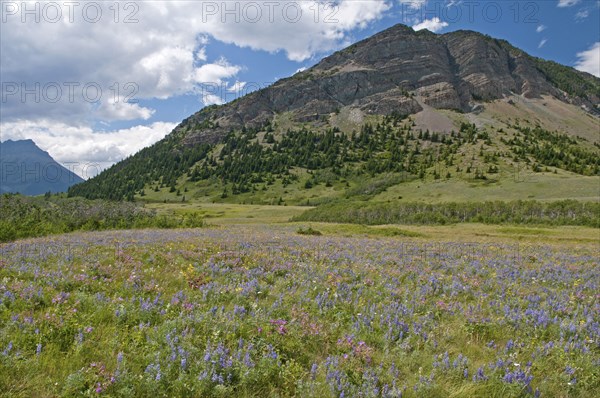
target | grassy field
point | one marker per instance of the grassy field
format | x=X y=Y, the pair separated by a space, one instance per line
x=524 y=185
x=507 y=185
x=230 y=213
x=220 y=214
x=248 y=307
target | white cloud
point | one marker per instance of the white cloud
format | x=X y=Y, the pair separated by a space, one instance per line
x=542 y=43
x=567 y=3
x=82 y=149
x=168 y=69
x=582 y=14
x=215 y=73
x=540 y=28
x=433 y=25
x=163 y=53
x=200 y=55
x=144 y=60
x=237 y=87
x=302 y=69
x=212 y=99
x=299 y=28
x=120 y=109
x=589 y=60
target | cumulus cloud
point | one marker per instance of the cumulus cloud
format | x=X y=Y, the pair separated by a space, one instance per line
x=215 y=73
x=160 y=46
x=100 y=68
x=91 y=61
x=120 y=109
x=434 y=25
x=299 y=28
x=567 y=3
x=589 y=60
x=82 y=149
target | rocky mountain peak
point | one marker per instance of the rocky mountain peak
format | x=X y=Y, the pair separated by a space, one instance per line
x=400 y=70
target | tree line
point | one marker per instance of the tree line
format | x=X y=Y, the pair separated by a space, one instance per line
x=565 y=212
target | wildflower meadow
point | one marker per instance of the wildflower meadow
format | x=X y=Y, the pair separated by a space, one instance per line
x=261 y=311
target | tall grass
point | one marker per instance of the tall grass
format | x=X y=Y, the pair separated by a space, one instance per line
x=23 y=217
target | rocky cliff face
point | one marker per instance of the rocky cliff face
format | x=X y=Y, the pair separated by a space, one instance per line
x=392 y=72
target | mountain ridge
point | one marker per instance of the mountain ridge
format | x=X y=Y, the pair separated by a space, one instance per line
x=440 y=88
x=29 y=170
x=373 y=87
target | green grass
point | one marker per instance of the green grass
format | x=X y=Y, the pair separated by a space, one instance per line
x=465 y=232
x=507 y=187
x=525 y=231
x=230 y=213
x=211 y=192
x=274 y=313
x=347 y=230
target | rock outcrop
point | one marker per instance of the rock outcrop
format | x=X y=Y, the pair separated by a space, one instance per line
x=384 y=74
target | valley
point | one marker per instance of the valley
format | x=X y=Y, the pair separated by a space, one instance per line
x=415 y=215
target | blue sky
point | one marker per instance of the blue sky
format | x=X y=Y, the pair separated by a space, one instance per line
x=93 y=82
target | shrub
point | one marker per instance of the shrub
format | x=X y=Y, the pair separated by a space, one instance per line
x=309 y=231
x=22 y=217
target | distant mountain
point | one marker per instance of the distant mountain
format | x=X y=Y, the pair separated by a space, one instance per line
x=373 y=109
x=28 y=170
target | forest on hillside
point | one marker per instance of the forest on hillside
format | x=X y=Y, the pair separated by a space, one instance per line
x=253 y=158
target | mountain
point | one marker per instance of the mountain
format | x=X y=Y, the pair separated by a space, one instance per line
x=28 y=170
x=400 y=70
x=407 y=105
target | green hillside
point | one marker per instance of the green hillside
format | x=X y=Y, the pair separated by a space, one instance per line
x=308 y=165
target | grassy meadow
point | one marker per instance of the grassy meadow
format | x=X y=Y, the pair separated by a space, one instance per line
x=247 y=306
